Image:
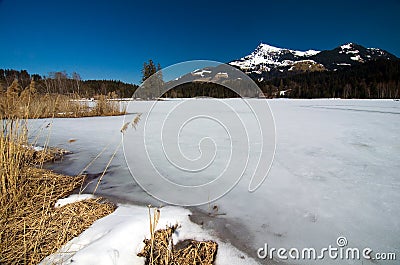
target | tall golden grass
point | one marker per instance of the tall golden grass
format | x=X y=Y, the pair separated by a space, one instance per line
x=16 y=102
x=13 y=155
x=31 y=228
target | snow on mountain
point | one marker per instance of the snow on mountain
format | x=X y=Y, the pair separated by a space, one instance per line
x=350 y=54
x=269 y=61
x=201 y=72
x=346 y=46
x=265 y=57
x=306 y=53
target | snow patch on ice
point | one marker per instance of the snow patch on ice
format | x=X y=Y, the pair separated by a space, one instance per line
x=73 y=198
x=38 y=148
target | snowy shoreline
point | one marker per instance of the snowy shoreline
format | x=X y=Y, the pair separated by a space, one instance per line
x=225 y=230
x=118 y=237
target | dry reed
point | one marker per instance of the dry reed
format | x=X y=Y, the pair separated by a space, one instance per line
x=31 y=228
x=27 y=103
x=160 y=250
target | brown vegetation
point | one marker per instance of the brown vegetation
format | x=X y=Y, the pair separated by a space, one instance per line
x=16 y=102
x=160 y=249
x=31 y=228
x=307 y=66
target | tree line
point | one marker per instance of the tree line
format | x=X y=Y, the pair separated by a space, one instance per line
x=63 y=83
x=374 y=79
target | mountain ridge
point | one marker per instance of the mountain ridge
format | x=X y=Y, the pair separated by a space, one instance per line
x=268 y=61
x=347 y=71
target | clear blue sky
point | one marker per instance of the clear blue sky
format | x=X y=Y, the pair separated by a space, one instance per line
x=111 y=39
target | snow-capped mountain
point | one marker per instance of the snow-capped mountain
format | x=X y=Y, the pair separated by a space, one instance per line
x=266 y=57
x=349 y=55
x=268 y=61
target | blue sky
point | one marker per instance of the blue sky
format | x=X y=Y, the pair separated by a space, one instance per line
x=111 y=39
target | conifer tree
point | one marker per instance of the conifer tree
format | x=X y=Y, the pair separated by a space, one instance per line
x=153 y=86
x=149 y=69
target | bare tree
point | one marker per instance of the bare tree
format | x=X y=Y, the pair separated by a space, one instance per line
x=77 y=78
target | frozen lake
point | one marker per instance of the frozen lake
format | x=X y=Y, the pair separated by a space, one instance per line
x=335 y=172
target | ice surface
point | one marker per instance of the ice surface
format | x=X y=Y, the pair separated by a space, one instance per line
x=335 y=173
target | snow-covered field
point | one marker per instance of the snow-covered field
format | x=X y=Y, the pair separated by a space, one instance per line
x=335 y=173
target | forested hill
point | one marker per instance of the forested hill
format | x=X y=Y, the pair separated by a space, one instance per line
x=63 y=83
x=374 y=79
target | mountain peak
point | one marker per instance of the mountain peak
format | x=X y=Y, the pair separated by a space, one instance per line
x=267 y=48
x=349 y=45
x=266 y=56
x=264 y=47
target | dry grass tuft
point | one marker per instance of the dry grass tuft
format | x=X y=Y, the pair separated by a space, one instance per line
x=31 y=228
x=195 y=252
x=35 y=157
x=160 y=250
